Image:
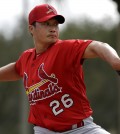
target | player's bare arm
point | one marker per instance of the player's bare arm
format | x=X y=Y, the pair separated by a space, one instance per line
x=105 y=52
x=8 y=73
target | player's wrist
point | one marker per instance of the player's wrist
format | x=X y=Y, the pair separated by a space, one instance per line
x=118 y=72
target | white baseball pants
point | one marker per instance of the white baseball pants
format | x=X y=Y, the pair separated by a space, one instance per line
x=89 y=128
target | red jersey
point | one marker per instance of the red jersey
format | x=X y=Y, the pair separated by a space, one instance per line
x=54 y=84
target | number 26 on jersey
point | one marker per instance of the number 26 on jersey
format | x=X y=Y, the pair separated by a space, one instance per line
x=65 y=100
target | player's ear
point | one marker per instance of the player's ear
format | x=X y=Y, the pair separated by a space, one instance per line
x=31 y=28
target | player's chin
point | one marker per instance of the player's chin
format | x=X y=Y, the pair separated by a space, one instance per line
x=52 y=40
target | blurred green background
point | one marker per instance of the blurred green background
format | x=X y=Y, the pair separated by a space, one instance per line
x=103 y=84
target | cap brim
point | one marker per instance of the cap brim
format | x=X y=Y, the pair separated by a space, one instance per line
x=59 y=18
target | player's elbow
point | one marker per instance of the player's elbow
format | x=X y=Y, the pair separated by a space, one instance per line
x=116 y=63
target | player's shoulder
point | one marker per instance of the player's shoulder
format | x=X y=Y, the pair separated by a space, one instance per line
x=72 y=41
x=28 y=51
x=31 y=50
x=66 y=41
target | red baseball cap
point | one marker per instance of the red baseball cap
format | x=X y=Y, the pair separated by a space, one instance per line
x=43 y=13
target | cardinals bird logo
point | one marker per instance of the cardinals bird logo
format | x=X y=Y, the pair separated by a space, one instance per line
x=35 y=93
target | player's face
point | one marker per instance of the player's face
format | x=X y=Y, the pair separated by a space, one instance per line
x=45 y=32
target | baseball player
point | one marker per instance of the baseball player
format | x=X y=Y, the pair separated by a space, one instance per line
x=53 y=76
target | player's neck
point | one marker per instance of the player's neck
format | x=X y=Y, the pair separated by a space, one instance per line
x=41 y=48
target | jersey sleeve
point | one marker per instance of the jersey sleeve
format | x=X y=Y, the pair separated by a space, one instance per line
x=75 y=50
x=22 y=62
x=80 y=45
x=79 y=48
x=19 y=66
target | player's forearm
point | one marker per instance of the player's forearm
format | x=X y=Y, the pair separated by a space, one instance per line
x=110 y=55
x=107 y=53
x=8 y=73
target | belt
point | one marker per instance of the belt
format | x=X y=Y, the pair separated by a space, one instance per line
x=71 y=127
x=79 y=124
x=74 y=126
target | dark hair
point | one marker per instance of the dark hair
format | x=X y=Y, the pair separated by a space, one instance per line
x=34 y=24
